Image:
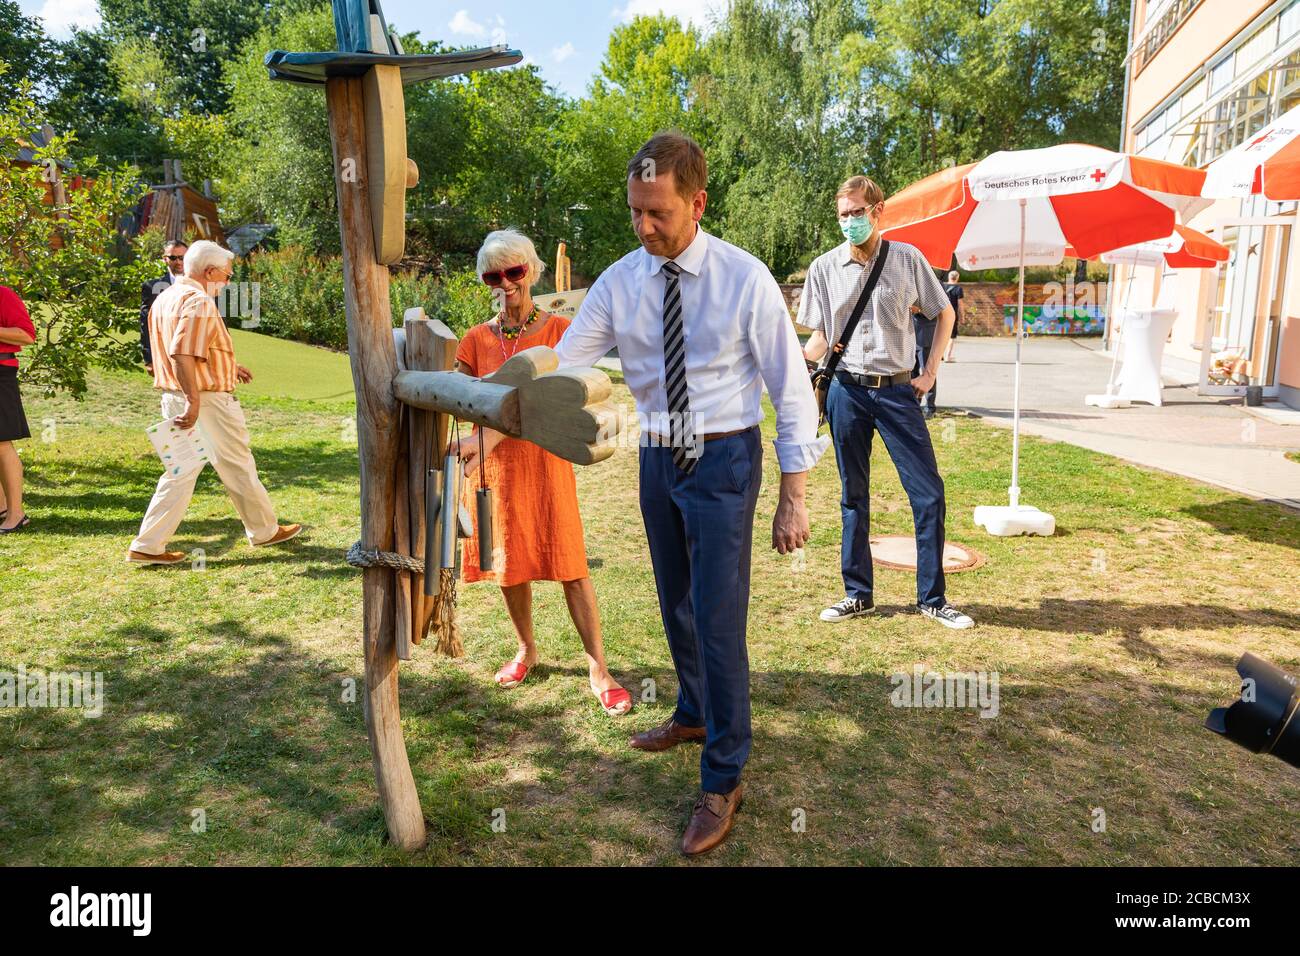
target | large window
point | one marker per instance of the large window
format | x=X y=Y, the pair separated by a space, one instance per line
x=1187 y=132
x=1288 y=82
x=1162 y=29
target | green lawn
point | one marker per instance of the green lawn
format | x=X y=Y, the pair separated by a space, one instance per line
x=1112 y=640
x=284 y=369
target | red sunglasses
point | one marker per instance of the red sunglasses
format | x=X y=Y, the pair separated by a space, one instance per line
x=514 y=274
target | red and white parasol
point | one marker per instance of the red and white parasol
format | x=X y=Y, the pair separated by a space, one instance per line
x=1267 y=164
x=1026 y=207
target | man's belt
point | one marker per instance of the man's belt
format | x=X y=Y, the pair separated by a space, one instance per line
x=659 y=440
x=873 y=381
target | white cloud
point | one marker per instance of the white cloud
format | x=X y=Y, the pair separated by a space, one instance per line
x=562 y=53
x=463 y=24
x=61 y=16
x=694 y=12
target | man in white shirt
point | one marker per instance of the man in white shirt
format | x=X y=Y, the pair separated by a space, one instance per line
x=700 y=328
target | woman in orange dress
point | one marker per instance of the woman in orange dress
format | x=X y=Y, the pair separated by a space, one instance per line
x=537 y=531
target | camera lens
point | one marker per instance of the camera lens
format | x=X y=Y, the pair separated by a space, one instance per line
x=1264 y=719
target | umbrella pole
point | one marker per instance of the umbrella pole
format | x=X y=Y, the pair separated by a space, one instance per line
x=1119 y=336
x=1014 y=490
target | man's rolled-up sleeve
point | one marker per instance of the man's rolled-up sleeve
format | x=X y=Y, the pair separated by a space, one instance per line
x=590 y=336
x=775 y=348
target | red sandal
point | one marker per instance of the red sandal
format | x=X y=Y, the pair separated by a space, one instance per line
x=514 y=674
x=613 y=698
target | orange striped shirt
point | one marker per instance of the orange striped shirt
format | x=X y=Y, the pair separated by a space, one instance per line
x=185 y=320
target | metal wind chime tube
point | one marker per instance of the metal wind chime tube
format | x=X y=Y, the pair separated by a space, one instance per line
x=432 y=484
x=484 y=503
x=451 y=520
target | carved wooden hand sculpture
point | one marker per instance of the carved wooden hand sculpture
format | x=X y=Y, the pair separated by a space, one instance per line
x=565 y=411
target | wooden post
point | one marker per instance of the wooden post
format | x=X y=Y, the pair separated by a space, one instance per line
x=430 y=347
x=374 y=365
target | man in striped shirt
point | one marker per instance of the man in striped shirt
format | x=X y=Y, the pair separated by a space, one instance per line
x=874 y=391
x=194 y=366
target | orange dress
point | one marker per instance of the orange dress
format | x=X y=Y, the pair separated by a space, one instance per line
x=536 y=528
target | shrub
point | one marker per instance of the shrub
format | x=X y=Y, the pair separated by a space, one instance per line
x=301 y=296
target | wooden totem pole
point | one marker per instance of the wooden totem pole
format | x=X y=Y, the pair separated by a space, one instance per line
x=404 y=388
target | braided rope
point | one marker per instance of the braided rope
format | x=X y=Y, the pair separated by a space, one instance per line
x=360 y=557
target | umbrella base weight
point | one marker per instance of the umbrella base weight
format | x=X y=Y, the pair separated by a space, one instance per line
x=1107 y=401
x=1006 y=521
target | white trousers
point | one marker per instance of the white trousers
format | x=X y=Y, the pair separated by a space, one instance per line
x=221 y=421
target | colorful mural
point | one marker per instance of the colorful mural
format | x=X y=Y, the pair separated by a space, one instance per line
x=1058 y=319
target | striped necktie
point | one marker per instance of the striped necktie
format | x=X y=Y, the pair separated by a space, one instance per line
x=679 y=407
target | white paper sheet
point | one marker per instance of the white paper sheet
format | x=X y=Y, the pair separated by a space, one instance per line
x=181 y=452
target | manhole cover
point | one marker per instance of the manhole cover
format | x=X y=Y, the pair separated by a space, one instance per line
x=899 y=551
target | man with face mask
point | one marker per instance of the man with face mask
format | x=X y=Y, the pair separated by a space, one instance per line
x=874 y=390
x=701 y=327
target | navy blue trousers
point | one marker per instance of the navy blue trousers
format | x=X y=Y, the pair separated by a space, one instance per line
x=701 y=528
x=855 y=413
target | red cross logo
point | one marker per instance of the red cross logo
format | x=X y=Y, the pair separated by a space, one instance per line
x=971 y=260
x=1098 y=176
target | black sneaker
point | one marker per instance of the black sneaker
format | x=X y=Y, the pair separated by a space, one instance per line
x=849 y=607
x=947 y=615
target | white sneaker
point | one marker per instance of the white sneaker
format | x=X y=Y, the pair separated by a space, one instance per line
x=948 y=616
x=849 y=607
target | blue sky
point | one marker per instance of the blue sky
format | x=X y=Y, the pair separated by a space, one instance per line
x=566 y=40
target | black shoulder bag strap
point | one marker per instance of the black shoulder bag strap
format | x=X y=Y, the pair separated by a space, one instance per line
x=838 y=351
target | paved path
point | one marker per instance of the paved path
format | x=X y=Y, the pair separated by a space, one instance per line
x=1206 y=438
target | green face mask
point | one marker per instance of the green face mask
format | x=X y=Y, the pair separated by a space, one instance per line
x=856 y=229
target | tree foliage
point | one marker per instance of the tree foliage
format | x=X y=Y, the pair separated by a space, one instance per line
x=787 y=97
x=62 y=260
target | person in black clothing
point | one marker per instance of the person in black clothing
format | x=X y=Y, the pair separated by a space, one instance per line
x=924 y=329
x=174 y=257
x=955 y=295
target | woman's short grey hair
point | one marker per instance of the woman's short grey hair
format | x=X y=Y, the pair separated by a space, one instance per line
x=204 y=255
x=510 y=247
x=954 y=275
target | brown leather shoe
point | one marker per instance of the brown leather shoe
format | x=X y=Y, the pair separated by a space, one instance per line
x=167 y=557
x=711 y=821
x=283 y=533
x=666 y=735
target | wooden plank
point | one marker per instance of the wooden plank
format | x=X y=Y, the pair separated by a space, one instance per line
x=386 y=160
x=430 y=346
x=401 y=517
x=402 y=540
x=374 y=364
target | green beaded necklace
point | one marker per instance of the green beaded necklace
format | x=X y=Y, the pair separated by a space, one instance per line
x=514 y=333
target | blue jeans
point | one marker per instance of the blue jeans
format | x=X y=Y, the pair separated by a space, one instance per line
x=701 y=530
x=855 y=413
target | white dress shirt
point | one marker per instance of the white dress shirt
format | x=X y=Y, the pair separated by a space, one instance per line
x=738 y=338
